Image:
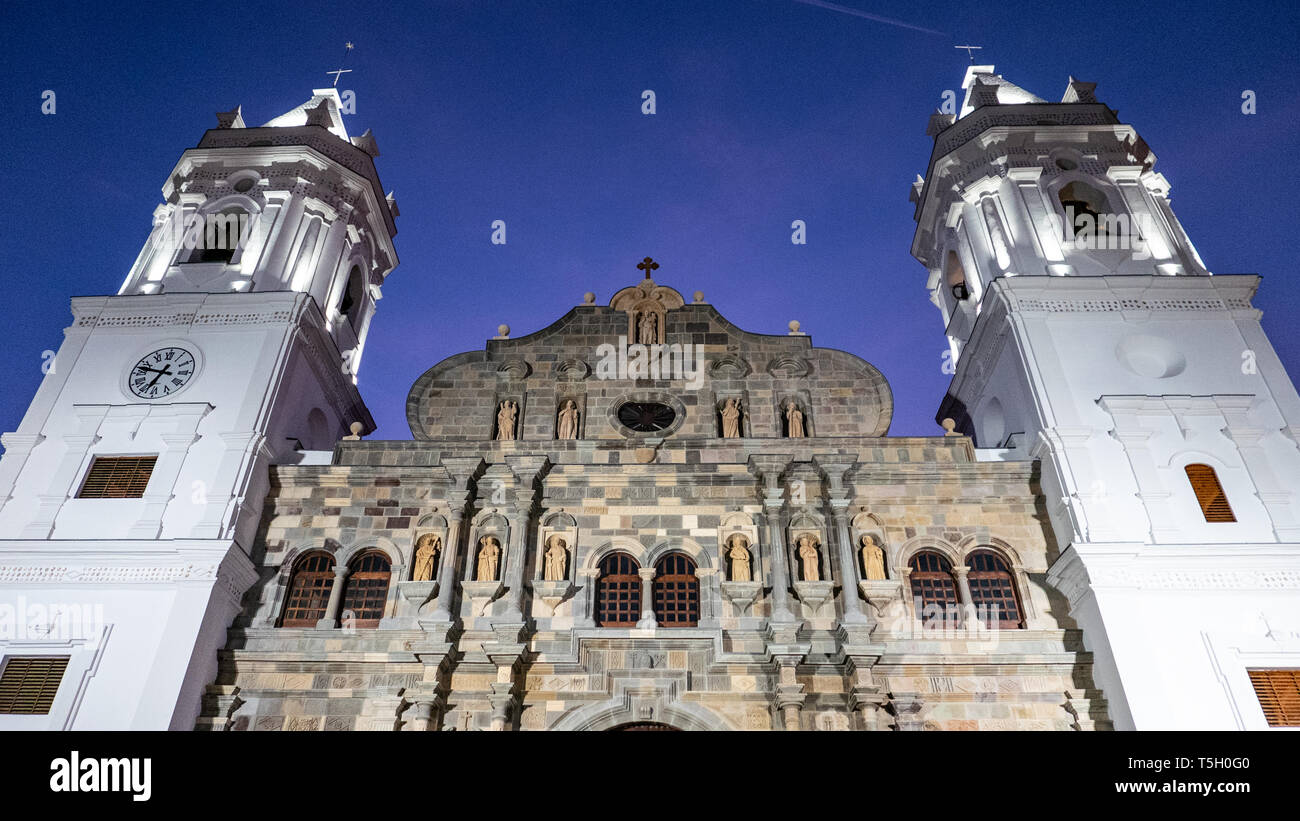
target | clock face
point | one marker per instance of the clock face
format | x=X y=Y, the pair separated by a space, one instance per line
x=161 y=373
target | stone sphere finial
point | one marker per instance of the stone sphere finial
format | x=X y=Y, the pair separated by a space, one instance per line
x=698 y=296
x=503 y=332
x=589 y=298
x=356 y=428
x=794 y=328
x=949 y=426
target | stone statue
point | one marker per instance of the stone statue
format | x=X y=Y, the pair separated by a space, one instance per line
x=648 y=328
x=489 y=555
x=557 y=560
x=566 y=426
x=873 y=559
x=808 y=557
x=794 y=421
x=738 y=552
x=731 y=420
x=426 y=556
x=506 y=421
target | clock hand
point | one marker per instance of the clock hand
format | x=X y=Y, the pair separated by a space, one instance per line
x=164 y=372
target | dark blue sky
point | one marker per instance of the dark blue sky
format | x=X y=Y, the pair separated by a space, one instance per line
x=529 y=112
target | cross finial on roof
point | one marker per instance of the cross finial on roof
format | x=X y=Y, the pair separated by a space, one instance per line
x=647 y=265
x=970 y=51
x=341 y=70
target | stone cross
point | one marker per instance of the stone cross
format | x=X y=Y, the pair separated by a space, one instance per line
x=647 y=265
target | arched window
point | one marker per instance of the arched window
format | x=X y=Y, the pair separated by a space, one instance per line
x=218 y=236
x=991 y=586
x=932 y=584
x=1087 y=211
x=309 y=590
x=1214 y=502
x=350 y=302
x=676 y=591
x=366 y=589
x=618 y=591
x=955 y=276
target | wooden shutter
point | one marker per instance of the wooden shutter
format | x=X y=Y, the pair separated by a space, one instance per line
x=28 y=683
x=1279 y=695
x=117 y=477
x=1214 y=503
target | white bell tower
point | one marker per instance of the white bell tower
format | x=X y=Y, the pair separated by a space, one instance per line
x=131 y=492
x=1087 y=333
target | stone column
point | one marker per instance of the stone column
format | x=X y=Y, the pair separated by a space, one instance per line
x=447 y=572
x=1251 y=441
x=836 y=469
x=961 y=572
x=768 y=468
x=853 y=613
x=790 y=696
x=516 y=556
x=336 y=597
x=419 y=716
x=647 y=621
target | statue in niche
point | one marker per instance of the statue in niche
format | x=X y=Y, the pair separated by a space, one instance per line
x=506 y=421
x=873 y=559
x=426 y=556
x=793 y=421
x=489 y=556
x=566 y=425
x=731 y=419
x=647 y=332
x=808 y=557
x=557 y=560
x=738 y=553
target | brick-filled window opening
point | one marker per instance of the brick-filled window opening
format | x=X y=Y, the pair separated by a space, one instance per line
x=992 y=586
x=932 y=584
x=366 y=590
x=1279 y=695
x=1209 y=493
x=309 y=590
x=618 y=591
x=28 y=684
x=676 y=592
x=117 y=477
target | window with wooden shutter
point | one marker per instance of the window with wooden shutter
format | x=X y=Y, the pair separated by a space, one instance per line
x=934 y=591
x=117 y=477
x=28 y=683
x=309 y=591
x=1279 y=694
x=618 y=591
x=366 y=590
x=1214 y=502
x=993 y=590
x=676 y=592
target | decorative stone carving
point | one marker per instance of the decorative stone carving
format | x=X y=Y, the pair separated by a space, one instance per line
x=566 y=424
x=427 y=550
x=557 y=559
x=794 y=428
x=738 y=559
x=873 y=558
x=809 y=557
x=647 y=332
x=731 y=419
x=489 y=559
x=506 y=416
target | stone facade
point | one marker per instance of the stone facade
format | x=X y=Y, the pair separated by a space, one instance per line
x=777 y=651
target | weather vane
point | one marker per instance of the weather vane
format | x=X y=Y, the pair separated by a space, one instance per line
x=970 y=51
x=341 y=70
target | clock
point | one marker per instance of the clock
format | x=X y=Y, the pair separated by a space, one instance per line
x=161 y=373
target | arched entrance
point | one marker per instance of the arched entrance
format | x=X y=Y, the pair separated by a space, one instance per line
x=644 y=725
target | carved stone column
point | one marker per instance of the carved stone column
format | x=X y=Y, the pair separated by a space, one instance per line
x=647 y=620
x=447 y=572
x=768 y=468
x=790 y=696
x=336 y=597
x=961 y=572
x=528 y=472
x=835 y=470
x=419 y=717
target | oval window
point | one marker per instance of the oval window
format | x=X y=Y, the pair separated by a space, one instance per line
x=646 y=417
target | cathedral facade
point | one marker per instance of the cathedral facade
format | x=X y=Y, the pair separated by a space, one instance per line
x=643 y=516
